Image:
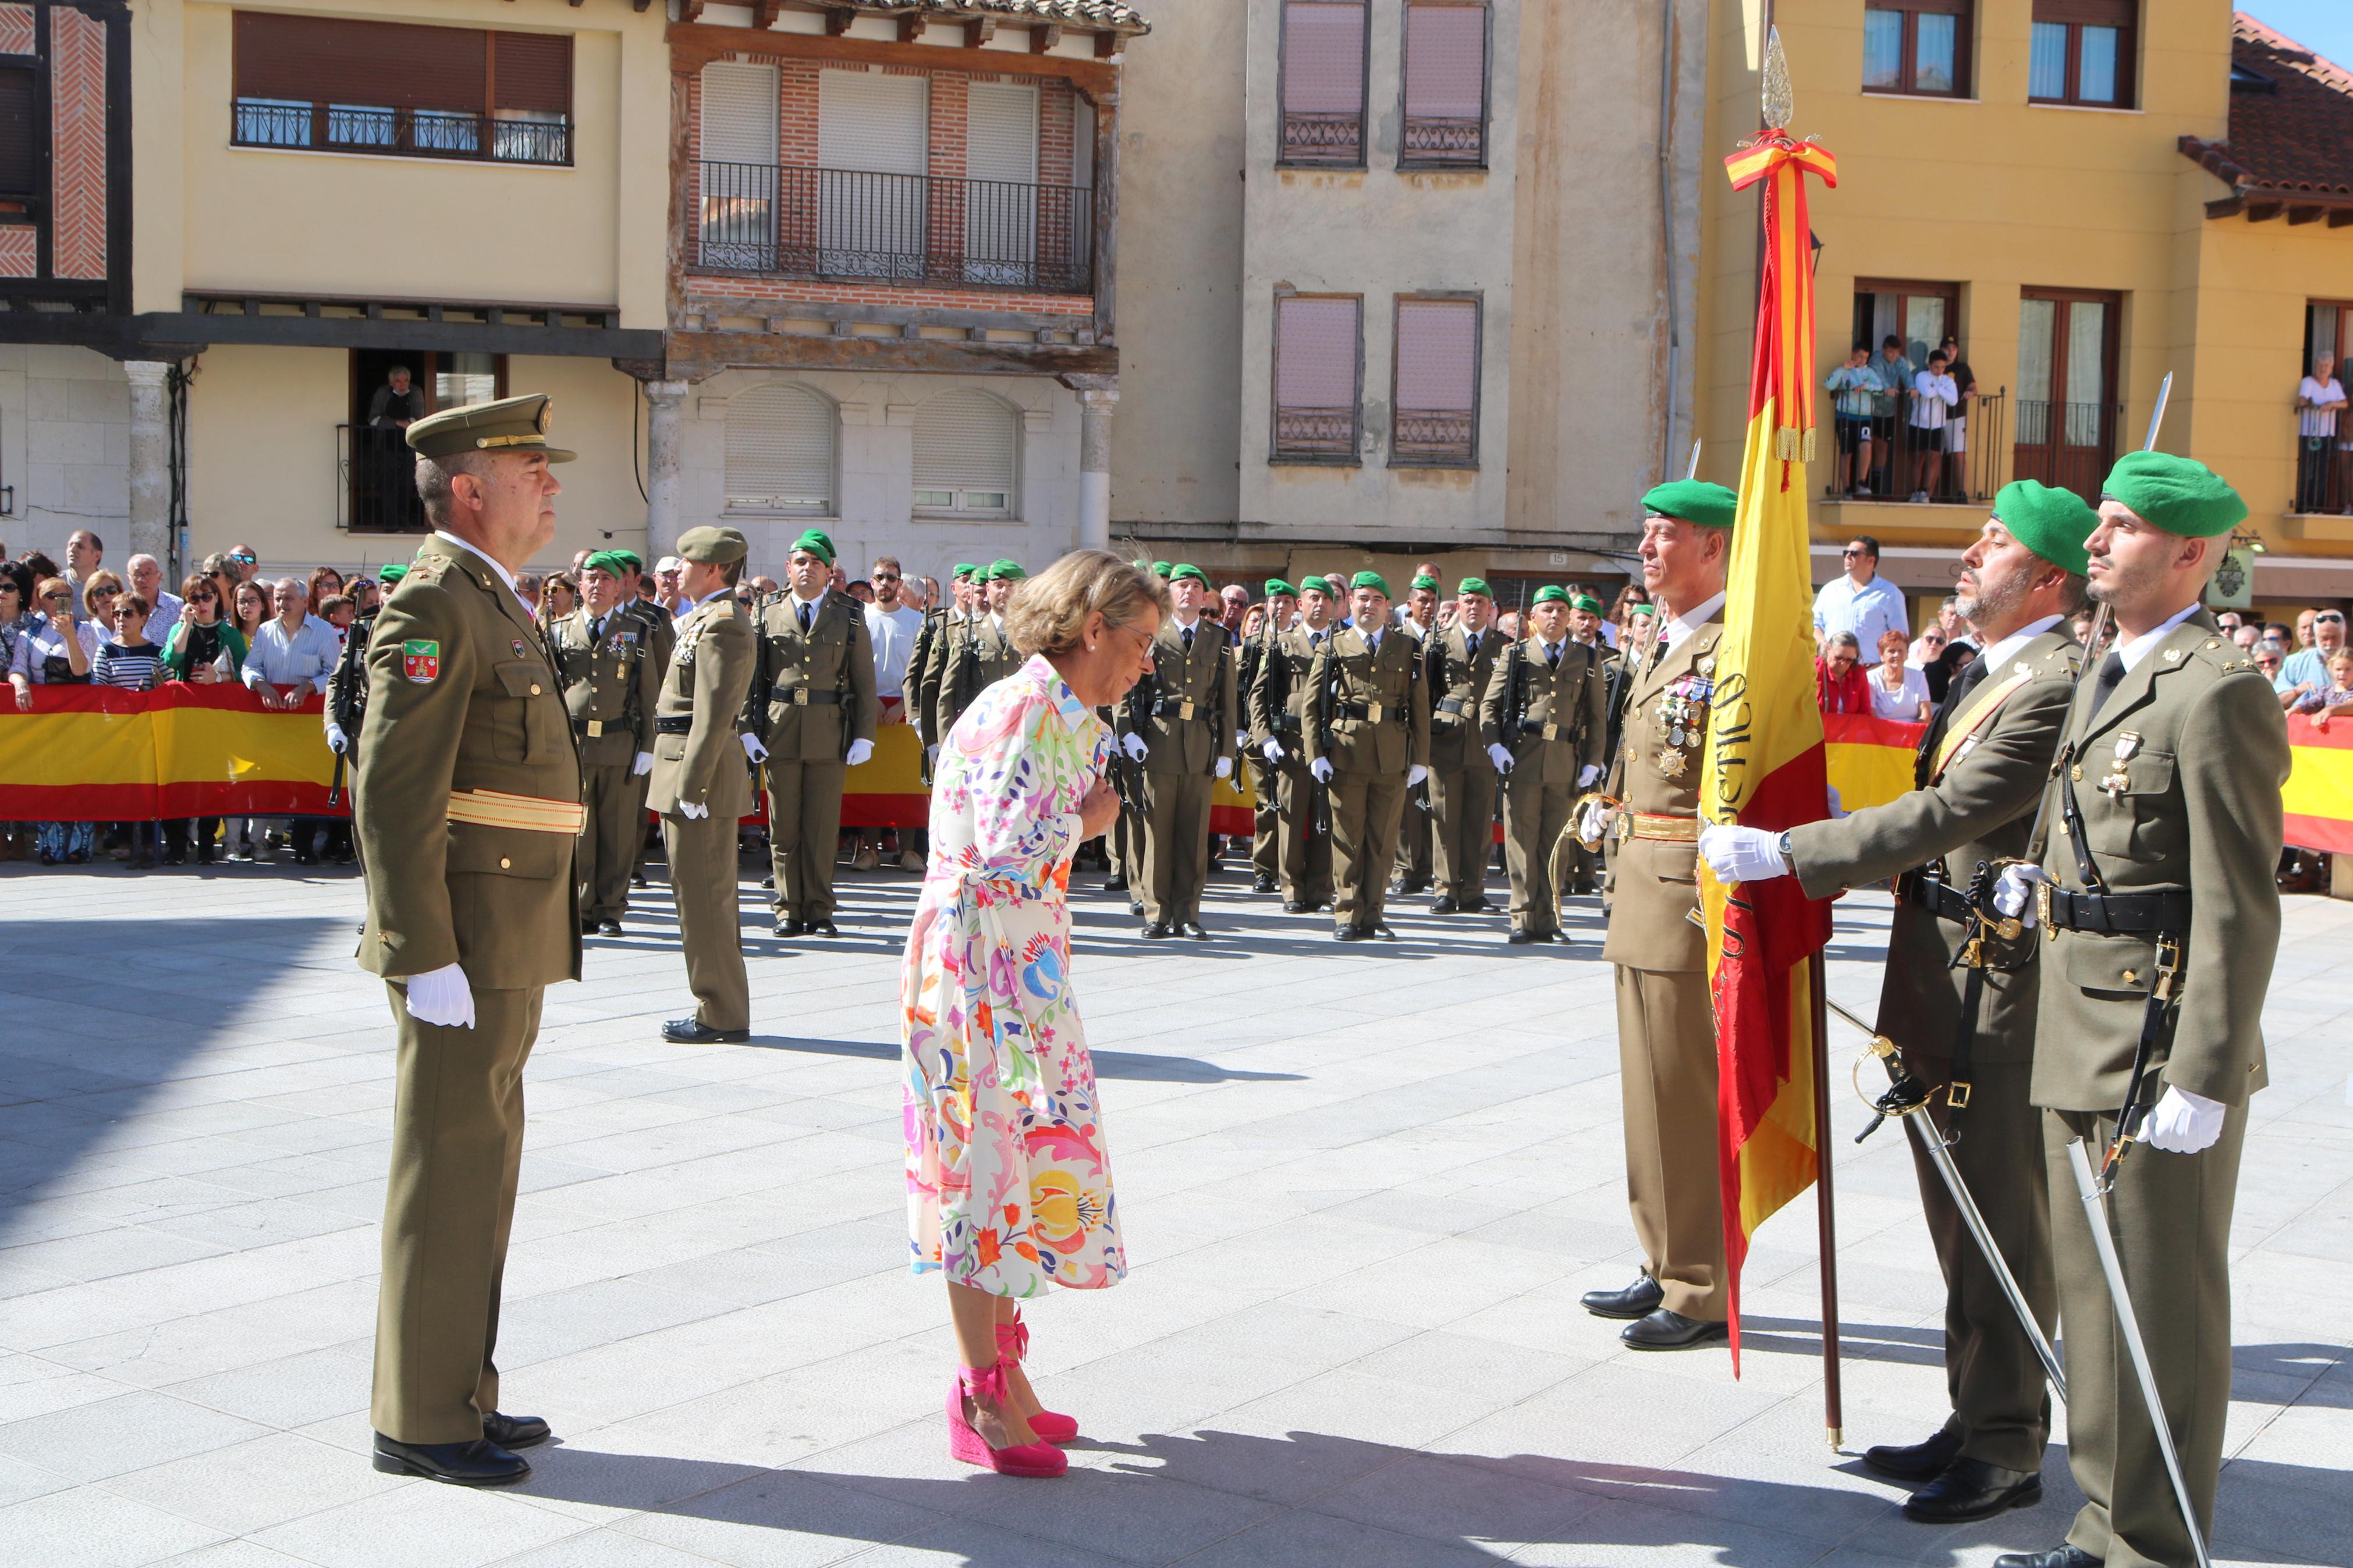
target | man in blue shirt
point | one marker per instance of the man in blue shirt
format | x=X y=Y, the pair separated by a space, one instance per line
x=1861 y=601
x=2309 y=666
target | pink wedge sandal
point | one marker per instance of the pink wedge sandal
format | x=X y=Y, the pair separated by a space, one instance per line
x=988 y=1384
x=1013 y=1344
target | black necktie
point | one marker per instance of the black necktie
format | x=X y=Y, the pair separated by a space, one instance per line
x=2111 y=676
x=1552 y=655
x=804 y=619
x=1961 y=686
x=1187 y=635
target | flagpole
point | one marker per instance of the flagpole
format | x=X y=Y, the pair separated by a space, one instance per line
x=1833 y=1386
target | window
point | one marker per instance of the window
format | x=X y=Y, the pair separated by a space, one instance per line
x=1916 y=47
x=1000 y=164
x=2067 y=373
x=736 y=193
x=1318 y=357
x=464 y=377
x=2082 y=53
x=1921 y=314
x=873 y=150
x=1436 y=388
x=966 y=455
x=1322 y=90
x=1445 y=84
x=331 y=85
x=780 y=442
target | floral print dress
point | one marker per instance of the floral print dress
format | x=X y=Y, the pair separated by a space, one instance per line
x=1008 y=1181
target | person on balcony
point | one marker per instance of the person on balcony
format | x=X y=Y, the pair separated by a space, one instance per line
x=2319 y=398
x=1934 y=398
x=1853 y=386
x=1956 y=423
x=1895 y=371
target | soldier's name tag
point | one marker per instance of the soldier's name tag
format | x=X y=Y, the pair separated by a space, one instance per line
x=421 y=660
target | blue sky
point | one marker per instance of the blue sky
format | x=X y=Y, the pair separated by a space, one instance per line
x=2324 y=26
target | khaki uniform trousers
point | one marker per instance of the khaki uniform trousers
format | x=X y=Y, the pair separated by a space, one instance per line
x=605 y=851
x=1463 y=806
x=1414 y=846
x=1176 y=845
x=2002 y=1404
x=1364 y=812
x=1266 y=824
x=457 y=1154
x=1534 y=815
x=1306 y=856
x=1666 y=1055
x=803 y=835
x=639 y=788
x=1127 y=851
x=702 y=854
x=2170 y=1217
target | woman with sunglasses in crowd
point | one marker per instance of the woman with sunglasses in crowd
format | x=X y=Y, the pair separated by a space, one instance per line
x=204 y=649
x=57 y=652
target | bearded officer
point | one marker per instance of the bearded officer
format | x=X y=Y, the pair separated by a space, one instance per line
x=1542 y=722
x=2163 y=921
x=1266 y=832
x=978 y=654
x=610 y=686
x=1970 y=1036
x=1666 y=1027
x=815 y=713
x=701 y=787
x=1459 y=660
x=1180 y=724
x=1368 y=741
x=1282 y=705
x=467 y=810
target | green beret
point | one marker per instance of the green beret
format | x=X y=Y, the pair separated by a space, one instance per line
x=2051 y=522
x=1188 y=570
x=1373 y=580
x=1005 y=571
x=815 y=541
x=605 y=561
x=1475 y=585
x=1316 y=585
x=630 y=558
x=2176 y=494
x=964 y=569
x=1551 y=593
x=1424 y=580
x=1691 y=501
x=713 y=546
x=1161 y=569
x=508 y=425
x=1277 y=585
x=1585 y=602
x=392 y=574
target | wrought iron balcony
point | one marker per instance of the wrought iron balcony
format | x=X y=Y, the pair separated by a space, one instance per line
x=1433 y=141
x=407 y=132
x=375 y=490
x=1337 y=140
x=787 y=221
x=1436 y=438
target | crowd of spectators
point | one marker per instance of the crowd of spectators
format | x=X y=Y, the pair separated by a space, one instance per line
x=1901 y=430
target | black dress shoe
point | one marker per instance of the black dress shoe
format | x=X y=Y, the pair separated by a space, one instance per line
x=1117 y=885
x=1296 y=906
x=1445 y=905
x=1381 y=929
x=1262 y=884
x=640 y=881
x=608 y=928
x=587 y=928
x=1476 y=907
x=1669 y=1330
x=1348 y=933
x=1521 y=936
x=1971 y=1489
x=514 y=1431
x=1135 y=909
x=1922 y=1461
x=1192 y=929
x=768 y=881
x=481 y=1463
x=1155 y=930
x=2057 y=1557
x=1639 y=1299
x=695 y=1031
x=819 y=928
x=789 y=927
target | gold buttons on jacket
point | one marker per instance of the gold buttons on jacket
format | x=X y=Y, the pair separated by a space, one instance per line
x=2132 y=977
x=505 y=864
x=534 y=689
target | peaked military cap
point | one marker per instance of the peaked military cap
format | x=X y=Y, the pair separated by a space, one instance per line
x=507 y=425
x=713 y=546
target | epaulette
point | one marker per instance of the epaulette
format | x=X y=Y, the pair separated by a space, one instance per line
x=2225 y=655
x=427 y=568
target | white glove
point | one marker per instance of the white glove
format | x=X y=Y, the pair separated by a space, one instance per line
x=642 y=766
x=442 y=996
x=1322 y=768
x=336 y=739
x=1593 y=822
x=1271 y=751
x=693 y=811
x=1133 y=745
x=2183 y=1122
x=1415 y=775
x=1241 y=738
x=932 y=755
x=2013 y=895
x=1586 y=775
x=1501 y=757
x=1837 y=810
x=1225 y=767
x=858 y=751
x=753 y=749
x=1742 y=854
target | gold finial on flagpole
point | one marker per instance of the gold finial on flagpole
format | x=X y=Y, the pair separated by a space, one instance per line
x=1780 y=99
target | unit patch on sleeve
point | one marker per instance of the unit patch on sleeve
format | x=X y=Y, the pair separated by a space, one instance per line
x=421 y=660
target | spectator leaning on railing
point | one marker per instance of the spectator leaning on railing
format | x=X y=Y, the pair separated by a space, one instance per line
x=204 y=649
x=1957 y=425
x=1933 y=397
x=1839 y=681
x=2309 y=666
x=2319 y=399
x=290 y=649
x=1894 y=373
x=1852 y=386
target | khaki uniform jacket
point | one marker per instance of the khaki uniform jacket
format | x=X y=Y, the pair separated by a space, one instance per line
x=1564 y=714
x=661 y=632
x=1979 y=807
x=2196 y=748
x=836 y=658
x=707 y=679
x=1456 y=669
x=610 y=685
x=919 y=660
x=1281 y=699
x=974 y=656
x=1188 y=712
x=1653 y=885
x=1389 y=677
x=463 y=698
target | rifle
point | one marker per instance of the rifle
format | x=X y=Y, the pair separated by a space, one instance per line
x=348 y=708
x=1319 y=794
x=1418 y=676
x=1515 y=702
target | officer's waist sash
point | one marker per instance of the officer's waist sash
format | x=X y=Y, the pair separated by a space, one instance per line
x=524 y=813
x=1659 y=827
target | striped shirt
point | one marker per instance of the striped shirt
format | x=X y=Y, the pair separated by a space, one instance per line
x=137 y=666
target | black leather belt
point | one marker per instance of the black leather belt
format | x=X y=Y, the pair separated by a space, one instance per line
x=1378 y=712
x=1286 y=722
x=1178 y=706
x=1937 y=896
x=803 y=696
x=2117 y=913
x=1450 y=706
x=674 y=724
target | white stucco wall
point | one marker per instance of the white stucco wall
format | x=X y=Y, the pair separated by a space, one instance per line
x=65 y=449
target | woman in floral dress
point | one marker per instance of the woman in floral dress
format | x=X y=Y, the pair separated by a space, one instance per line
x=1008 y=1176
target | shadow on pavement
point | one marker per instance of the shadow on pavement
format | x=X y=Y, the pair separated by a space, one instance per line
x=1108 y=1064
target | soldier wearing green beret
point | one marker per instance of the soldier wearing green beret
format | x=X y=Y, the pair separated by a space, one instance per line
x=1969 y=1033
x=1282 y=702
x=1459 y=663
x=813 y=717
x=1179 y=721
x=1543 y=722
x=466 y=813
x=1368 y=741
x=2161 y=921
x=927 y=666
x=701 y=788
x=1281 y=604
x=347 y=686
x=1411 y=874
x=978 y=654
x=1575 y=869
x=610 y=687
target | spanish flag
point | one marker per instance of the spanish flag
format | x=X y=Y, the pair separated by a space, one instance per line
x=1767 y=764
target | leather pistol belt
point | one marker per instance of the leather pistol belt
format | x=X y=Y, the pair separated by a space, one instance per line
x=1450 y=706
x=1175 y=707
x=674 y=724
x=2117 y=913
x=1658 y=828
x=1374 y=712
x=1938 y=897
x=801 y=696
x=524 y=813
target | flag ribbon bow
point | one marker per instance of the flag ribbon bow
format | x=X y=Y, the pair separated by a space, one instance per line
x=1786 y=302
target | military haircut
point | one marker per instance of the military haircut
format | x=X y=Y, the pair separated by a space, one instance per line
x=433 y=476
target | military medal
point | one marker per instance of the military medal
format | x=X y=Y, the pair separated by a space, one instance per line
x=518 y=647
x=1672 y=762
x=2128 y=746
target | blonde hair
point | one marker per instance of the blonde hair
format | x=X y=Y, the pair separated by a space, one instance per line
x=1049 y=612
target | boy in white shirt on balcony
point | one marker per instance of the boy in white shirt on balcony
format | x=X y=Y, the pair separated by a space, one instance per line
x=1933 y=397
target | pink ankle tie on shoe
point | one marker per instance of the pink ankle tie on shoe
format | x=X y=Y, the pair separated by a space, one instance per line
x=985 y=1383
x=1013 y=1340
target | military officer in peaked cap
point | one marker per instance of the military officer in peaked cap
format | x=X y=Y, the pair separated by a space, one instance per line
x=611 y=684
x=701 y=787
x=1368 y=740
x=467 y=810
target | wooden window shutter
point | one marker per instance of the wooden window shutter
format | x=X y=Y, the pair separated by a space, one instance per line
x=388 y=65
x=1446 y=62
x=963 y=441
x=780 y=444
x=873 y=123
x=1437 y=355
x=24 y=128
x=1323 y=56
x=1315 y=353
x=533 y=72
x=739 y=113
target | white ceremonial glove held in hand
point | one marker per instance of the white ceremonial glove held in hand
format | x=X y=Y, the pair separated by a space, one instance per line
x=1742 y=854
x=336 y=739
x=1225 y=767
x=1586 y=775
x=1271 y=751
x=1322 y=768
x=642 y=766
x=2183 y=1122
x=442 y=996
x=1415 y=775
x=1501 y=757
x=858 y=751
x=1593 y=822
x=1241 y=738
x=693 y=811
x=1133 y=745
x=1837 y=809
x=2013 y=896
x=752 y=748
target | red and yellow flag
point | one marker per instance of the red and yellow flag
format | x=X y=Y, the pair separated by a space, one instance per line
x=1767 y=764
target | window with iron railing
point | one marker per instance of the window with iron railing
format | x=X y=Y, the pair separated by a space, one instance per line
x=1318 y=378
x=1445 y=84
x=1322 y=85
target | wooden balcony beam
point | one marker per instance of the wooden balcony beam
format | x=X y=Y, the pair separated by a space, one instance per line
x=2339 y=217
x=979 y=31
x=2298 y=215
x=1042 y=39
x=2263 y=212
x=912 y=28
x=691 y=47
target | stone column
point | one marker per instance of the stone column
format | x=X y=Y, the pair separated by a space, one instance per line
x=151 y=459
x=665 y=460
x=1096 y=406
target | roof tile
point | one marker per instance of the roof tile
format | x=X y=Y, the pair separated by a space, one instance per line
x=2292 y=127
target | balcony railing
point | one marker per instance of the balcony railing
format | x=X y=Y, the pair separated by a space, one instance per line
x=1315 y=434
x=2324 y=472
x=1337 y=140
x=407 y=132
x=1433 y=141
x=1886 y=458
x=794 y=222
x=2067 y=446
x=1436 y=438
x=375 y=490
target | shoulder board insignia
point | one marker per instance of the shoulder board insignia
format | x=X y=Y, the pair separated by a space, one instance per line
x=2022 y=667
x=2213 y=643
x=1708 y=664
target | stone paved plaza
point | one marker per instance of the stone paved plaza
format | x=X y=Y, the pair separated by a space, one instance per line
x=1362 y=1188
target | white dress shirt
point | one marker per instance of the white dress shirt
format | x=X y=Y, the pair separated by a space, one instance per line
x=1681 y=625
x=2000 y=651
x=505 y=575
x=1867 y=612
